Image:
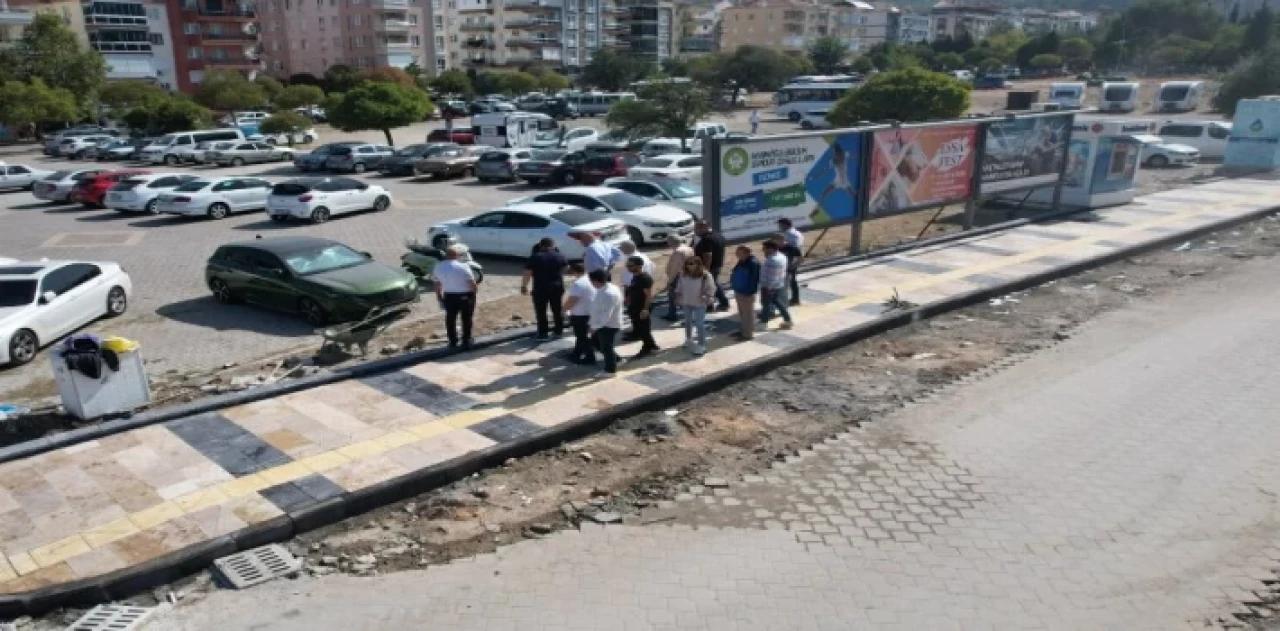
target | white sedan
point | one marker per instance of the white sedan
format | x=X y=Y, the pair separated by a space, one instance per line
x=319 y=198
x=514 y=229
x=673 y=165
x=141 y=193
x=1164 y=154
x=42 y=301
x=20 y=176
x=56 y=187
x=215 y=197
x=304 y=137
x=815 y=119
x=647 y=221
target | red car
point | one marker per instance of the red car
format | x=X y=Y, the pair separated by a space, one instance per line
x=92 y=190
x=459 y=136
x=599 y=168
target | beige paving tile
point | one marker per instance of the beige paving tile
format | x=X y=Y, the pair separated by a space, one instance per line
x=331 y=418
x=216 y=521
x=453 y=444
x=96 y=563
x=253 y=509
x=359 y=474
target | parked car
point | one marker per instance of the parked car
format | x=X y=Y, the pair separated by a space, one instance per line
x=193 y=153
x=42 y=301
x=599 y=168
x=319 y=198
x=57 y=186
x=451 y=162
x=1164 y=154
x=114 y=149
x=357 y=158
x=141 y=193
x=20 y=176
x=647 y=221
x=554 y=107
x=1207 y=137
x=457 y=108
x=815 y=119
x=678 y=165
x=617 y=142
x=672 y=192
x=402 y=162
x=305 y=137
x=215 y=197
x=91 y=191
x=501 y=164
x=315 y=159
x=212 y=147
x=323 y=281
x=75 y=148
x=458 y=137
x=53 y=143
x=571 y=140
x=990 y=82
x=514 y=229
x=555 y=166
x=244 y=153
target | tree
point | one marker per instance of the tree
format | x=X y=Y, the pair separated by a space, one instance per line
x=417 y=73
x=910 y=95
x=828 y=54
x=381 y=106
x=1046 y=61
x=286 y=122
x=453 y=81
x=270 y=86
x=665 y=108
x=1255 y=75
x=230 y=91
x=1074 y=48
x=172 y=113
x=391 y=75
x=863 y=65
x=1227 y=46
x=757 y=68
x=52 y=53
x=487 y=83
x=341 y=78
x=674 y=67
x=552 y=82
x=612 y=72
x=24 y=105
x=304 y=78
x=122 y=96
x=1258 y=32
x=299 y=96
x=950 y=61
x=519 y=83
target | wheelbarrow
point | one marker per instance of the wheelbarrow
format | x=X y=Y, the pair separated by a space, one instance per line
x=359 y=333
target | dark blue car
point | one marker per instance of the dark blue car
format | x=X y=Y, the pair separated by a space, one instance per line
x=314 y=160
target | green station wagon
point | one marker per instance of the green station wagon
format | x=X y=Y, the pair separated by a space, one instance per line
x=324 y=281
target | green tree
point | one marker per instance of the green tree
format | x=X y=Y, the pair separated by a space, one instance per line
x=1256 y=75
x=391 y=75
x=271 y=87
x=52 y=53
x=1046 y=61
x=519 y=83
x=665 y=108
x=758 y=69
x=230 y=91
x=552 y=82
x=122 y=96
x=1074 y=48
x=488 y=83
x=1227 y=46
x=172 y=113
x=828 y=54
x=1004 y=46
x=381 y=106
x=675 y=67
x=341 y=78
x=453 y=81
x=24 y=105
x=612 y=72
x=990 y=65
x=950 y=61
x=863 y=65
x=1258 y=32
x=304 y=78
x=301 y=95
x=909 y=95
x=286 y=122
x=1146 y=25
x=417 y=73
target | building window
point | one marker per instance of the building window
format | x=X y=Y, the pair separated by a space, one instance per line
x=413 y=19
x=439 y=64
x=415 y=40
x=435 y=4
x=156 y=38
x=439 y=42
x=304 y=44
x=191 y=29
x=439 y=21
x=193 y=52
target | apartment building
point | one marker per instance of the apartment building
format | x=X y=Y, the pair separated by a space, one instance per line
x=909 y=28
x=652 y=31
x=309 y=36
x=25 y=10
x=698 y=27
x=1063 y=22
x=952 y=19
x=514 y=34
x=12 y=21
x=791 y=26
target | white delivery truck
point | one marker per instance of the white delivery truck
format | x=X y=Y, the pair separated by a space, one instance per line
x=505 y=130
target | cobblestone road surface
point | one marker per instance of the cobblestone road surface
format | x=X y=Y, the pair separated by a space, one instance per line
x=1126 y=479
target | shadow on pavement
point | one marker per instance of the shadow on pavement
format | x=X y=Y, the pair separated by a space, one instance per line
x=107 y=216
x=206 y=312
x=41 y=205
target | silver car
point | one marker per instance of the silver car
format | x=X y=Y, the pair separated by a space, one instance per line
x=19 y=176
x=215 y=197
x=249 y=153
x=501 y=164
x=56 y=187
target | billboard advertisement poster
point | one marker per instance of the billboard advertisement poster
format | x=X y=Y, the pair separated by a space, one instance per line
x=811 y=180
x=1024 y=152
x=1077 y=162
x=1116 y=166
x=914 y=167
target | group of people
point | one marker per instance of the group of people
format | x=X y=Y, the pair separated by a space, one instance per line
x=593 y=304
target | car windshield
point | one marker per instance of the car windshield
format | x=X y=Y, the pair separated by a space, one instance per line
x=165 y=140
x=613 y=136
x=623 y=201
x=56 y=175
x=549 y=135
x=192 y=186
x=129 y=184
x=326 y=259
x=681 y=190
x=656 y=162
x=340 y=151
x=223 y=145
x=16 y=293
x=549 y=156
x=412 y=150
x=1174 y=92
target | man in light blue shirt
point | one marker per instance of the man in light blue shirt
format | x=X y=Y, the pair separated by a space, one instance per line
x=599 y=255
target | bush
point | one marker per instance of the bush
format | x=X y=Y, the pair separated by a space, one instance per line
x=909 y=95
x=1256 y=75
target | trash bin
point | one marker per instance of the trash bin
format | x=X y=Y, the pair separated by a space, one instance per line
x=113 y=392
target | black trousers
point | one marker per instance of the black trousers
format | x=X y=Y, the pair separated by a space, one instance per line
x=463 y=304
x=552 y=297
x=582 y=348
x=605 y=339
x=642 y=329
x=793 y=275
x=722 y=301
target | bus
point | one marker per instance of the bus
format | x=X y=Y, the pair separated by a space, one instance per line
x=796 y=99
x=598 y=103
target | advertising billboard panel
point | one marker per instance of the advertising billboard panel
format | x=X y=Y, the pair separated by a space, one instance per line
x=1024 y=152
x=917 y=167
x=814 y=181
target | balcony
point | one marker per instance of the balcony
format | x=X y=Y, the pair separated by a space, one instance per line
x=390 y=5
x=477 y=42
x=526 y=60
x=532 y=23
x=532 y=42
x=529 y=5
x=228 y=38
x=476 y=26
x=392 y=46
x=614 y=42
x=92 y=20
x=615 y=26
x=237 y=62
x=613 y=8
x=14 y=17
x=234 y=15
x=477 y=61
x=697 y=44
x=396 y=26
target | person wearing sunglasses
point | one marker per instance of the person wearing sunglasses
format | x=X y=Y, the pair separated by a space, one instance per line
x=697 y=292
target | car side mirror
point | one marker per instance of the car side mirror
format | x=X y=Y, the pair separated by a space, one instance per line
x=48 y=297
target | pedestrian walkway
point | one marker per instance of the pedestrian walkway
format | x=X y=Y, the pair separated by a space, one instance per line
x=129 y=499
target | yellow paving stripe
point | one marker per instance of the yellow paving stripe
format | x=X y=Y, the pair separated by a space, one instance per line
x=58 y=551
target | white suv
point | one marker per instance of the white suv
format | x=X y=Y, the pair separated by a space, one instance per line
x=319 y=198
x=1208 y=137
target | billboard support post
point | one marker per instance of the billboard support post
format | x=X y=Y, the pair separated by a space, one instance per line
x=1062 y=173
x=711 y=183
x=975 y=195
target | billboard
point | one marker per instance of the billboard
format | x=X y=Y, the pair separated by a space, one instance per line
x=813 y=180
x=915 y=167
x=1024 y=152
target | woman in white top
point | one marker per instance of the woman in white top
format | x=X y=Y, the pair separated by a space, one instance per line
x=696 y=291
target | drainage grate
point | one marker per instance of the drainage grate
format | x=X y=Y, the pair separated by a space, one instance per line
x=259 y=565
x=111 y=618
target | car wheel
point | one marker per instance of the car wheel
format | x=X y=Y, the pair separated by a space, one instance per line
x=320 y=215
x=794 y=117
x=171 y=160
x=219 y=211
x=117 y=302
x=312 y=312
x=221 y=292
x=23 y=347
x=479 y=274
x=237 y=162
x=468 y=172
x=1158 y=162
x=568 y=178
x=806 y=125
x=382 y=203
x=358 y=168
x=150 y=208
x=635 y=235
x=308 y=139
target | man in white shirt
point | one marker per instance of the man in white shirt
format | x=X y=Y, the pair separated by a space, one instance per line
x=578 y=305
x=456 y=289
x=629 y=251
x=606 y=317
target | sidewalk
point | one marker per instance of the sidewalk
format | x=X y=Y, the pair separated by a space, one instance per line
x=105 y=516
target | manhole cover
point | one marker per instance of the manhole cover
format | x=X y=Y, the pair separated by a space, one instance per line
x=111 y=618
x=259 y=565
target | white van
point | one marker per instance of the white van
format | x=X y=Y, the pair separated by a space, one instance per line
x=168 y=148
x=506 y=130
x=599 y=103
x=1179 y=96
x=1210 y=137
x=1119 y=97
x=1069 y=95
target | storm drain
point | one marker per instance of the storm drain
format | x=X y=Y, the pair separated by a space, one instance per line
x=259 y=565
x=111 y=618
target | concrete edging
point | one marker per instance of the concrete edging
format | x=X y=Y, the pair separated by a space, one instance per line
x=169 y=567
